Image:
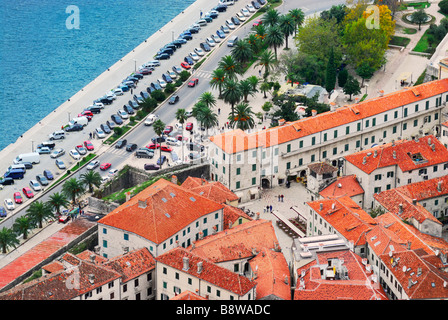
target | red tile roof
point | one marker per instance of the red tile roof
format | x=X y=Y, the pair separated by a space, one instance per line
x=358 y=286
x=346 y=217
x=212 y=273
x=237 y=140
x=187 y=295
x=232 y=214
x=160 y=211
x=425 y=189
x=215 y=191
x=236 y=243
x=132 y=264
x=272 y=275
x=343 y=186
x=383 y=155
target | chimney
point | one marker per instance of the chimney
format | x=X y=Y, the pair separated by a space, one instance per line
x=381 y=93
x=433 y=147
x=409 y=245
x=199 y=267
x=419 y=271
x=394 y=154
x=174 y=179
x=257 y=216
x=410 y=283
x=141 y=204
x=321 y=207
x=429 y=141
x=186 y=262
x=313 y=113
x=364 y=160
x=91 y=278
x=439 y=186
x=128 y=196
x=375 y=153
x=92 y=258
x=414 y=202
x=400 y=210
x=332 y=106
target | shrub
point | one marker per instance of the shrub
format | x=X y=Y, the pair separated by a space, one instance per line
x=118 y=131
x=158 y=95
x=184 y=75
x=170 y=88
x=443 y=5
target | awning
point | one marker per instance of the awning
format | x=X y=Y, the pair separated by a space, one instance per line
x=253 y=191
x=405 y=76
x=281 y=176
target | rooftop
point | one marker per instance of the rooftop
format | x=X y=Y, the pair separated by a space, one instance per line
x=343 y=186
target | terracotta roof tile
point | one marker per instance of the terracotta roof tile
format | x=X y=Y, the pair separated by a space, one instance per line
x=343 y=186
x=132 y=264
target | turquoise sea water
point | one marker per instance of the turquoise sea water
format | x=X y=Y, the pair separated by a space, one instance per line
x=43 y=63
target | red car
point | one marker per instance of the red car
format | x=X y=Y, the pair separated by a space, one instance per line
x=166 y=148
x=105 y=166
x=18 y=197
x=189 y=126
x=27 y=192
x=153 y=146
x=86 y=113
x=180 y=138
x=193 y=82
x=88 y=145
x=257 y=22
x=185 y=65
x=168 y=129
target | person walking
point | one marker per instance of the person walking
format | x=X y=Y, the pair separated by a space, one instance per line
x=270 y=208
x=281 y=197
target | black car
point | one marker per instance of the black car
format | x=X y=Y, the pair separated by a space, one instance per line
x=128 y=109
x=188 y=60
x=256 y=5
x=208 y=19
x=116 y=118
x=93 y=109
x=186 y=36
x=205 y=47
x=110 y=124
x=137 y=75
x=163 y=56
x=134 y=103
x=121 y=143
x=105 y=100
x=180 y=41
x=220 y=8
x=131 y=147
x=175 y=43
x=105 y=128
x=158 y=139
x=28 y=165
x=6 y=181
x=173 y=99
x=75 y=127
x=156 y=85
x=236 y=21
x=167 y=78
x=170 y=46
x=193 y=30
x=150 y=166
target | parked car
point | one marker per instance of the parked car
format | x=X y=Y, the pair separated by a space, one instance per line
x=172 y=74
x=89 y=146
x=123 y=114
x=120 y=143
x=225 y=29
x=150 y=166
x=116 y=118
x=93 y=164
x=156 y=85
x=60 y=164
x=150 y=119
x=17 y=197
x=210 y=41
x=256 y=4
x=245 y=12
x=199 y=52
x=194 y=56
x=57 y=153
x=74 y=127
x=230 y=24
x=189 y=126
x=105 y=128
x=220 y=34
x=173 y=99
x=128 y=109
x=161 y=160
x=48 y=174
x=216 y=38
x=74 y=154
x=9 y=204
x=177 y=69
x=6 y=181
x=81 y=149
x=168 y=129
x=43 y=150
x=100 y=133
x=144 y=153
x=205 y=46
x=167 y=78
x=42 y=179
x=185 y=65
x=162 y=83
x=153 y=146
x=257 y=22
x=163 y=56
x=189 y=60
x=27 y=192
x=2 y=212
x=250 y=8
x=166 y=148
x=111 y=124
x=235 y=21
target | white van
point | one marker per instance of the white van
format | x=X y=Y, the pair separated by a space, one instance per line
x=60 y=134
x=33 y=157
x=17 y=166
x=227 y=2
x=201 y=22
x=79 y=120
x=232 y=41
x=171 y=141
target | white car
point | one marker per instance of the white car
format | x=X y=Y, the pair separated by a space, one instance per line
x=178 y=126
x=240 y=16
x=123 y=114
x=110 y=95
x=199 y=52
x=113 y=171
x=172 y=74
x=216 y=38
x=99 y=104
x=100 y=133
x=35 y=185
x=225 y=29
x=194 y=56
x=118 y=92
x=105 y=179
x=230 y=24
x=250 y=8
x=74 y=154
x=245 y=12
x=9 y=204
x=93 y=164
x=57 y=153
x=161 y=82
x=211 y=42
x=150 y=119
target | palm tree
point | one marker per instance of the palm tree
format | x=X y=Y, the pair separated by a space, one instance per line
x=271 y=17
x=231 y=93
x=39 y=211
x=265 y=86
x=181 y=117
x=218 y=79
x=260 y=31
x=23 y=225
x=159 y=126
x=287 y=27
x=208 y=99
x=58 y=200
x=274 y=38
x=246 y=89
x=208 y=118
x=230 y=66
x=298 y=16
x=73 y=188
x=242 y=51
x=243 y=118
x=8 y=238
x=91 y=178
x=254 y=42
x=267 y=60
x=253 y=80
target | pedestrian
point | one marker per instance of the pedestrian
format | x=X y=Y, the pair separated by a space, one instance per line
x=259 y=72
x=282 y=197
x=267 y=208
x=132 y=91
x=264 y=210
x=219 y=110
x=270 y=208
x=90 y=135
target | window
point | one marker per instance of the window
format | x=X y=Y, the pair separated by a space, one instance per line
x=366 y=141
x=126 y=236
x=254 y=167
x=372 y=139
x=190 y=282
x=405 y=112
x=377 y=177
x=358 y=126
x=377 y=190
x=435 y=168
x=385 y=118
x=394 y=129
x=300 y=161
x=104 y=243
x=236 y=267
x=347 y=130
x=390 y=174
x=254 y=181
x=313 y=158
x=125 y=287
x=405 y=126
x=395 y=114
x=436 y=116
x=238 y=157
x=373 y=122
x=136 y=282
x=358 y=143
x=254 y=154
x=384 y=134
x=335 y=133
x=313 y=141
x=104 y=231
x=288 y=165
x=367 y=123
x=177 y=275
x=427 y=105
x=346 y=147
x=301 y=144
x=335 y=150
x=416 y=108
x=324 y=154
x=238 y=171
x=325 y=137
x=237 y=185
x=288 y=148
x=415 y=122
x=164 y=270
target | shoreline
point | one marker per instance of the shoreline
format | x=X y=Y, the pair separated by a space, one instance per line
x=107 y=80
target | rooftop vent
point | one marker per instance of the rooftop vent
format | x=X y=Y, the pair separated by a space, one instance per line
x=192 y=199
x=141 y=204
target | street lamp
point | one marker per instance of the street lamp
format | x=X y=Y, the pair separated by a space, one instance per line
x=135 y=65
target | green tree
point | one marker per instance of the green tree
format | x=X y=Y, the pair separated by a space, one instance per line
x=218 y=80
x=230 y=66
x=159 y=126
x=443 y=5
x=207 y=118
x=266 y=60
x=286 y=108
x=23 y=225
x=158 y=95
x=365 y=71
x=287 y=27
x=330 y=78
x=342 y=77
x=231 y=93
x=298 y=16
x=90 y=179
x=149 y=104
x=351 y=87
x=181 y=117
x=246 y=89
x=184 y=75
x=8 y=238
x=73 y=188
x=274 y=38
x=337 y=12
x=419 y=17
x=39 y=211
x=242 y=51
x=271 y=17
x=253 y=80
x=57 y=201
x=265 y=87
x=255 y=43
x=243 y=118
x=208 y=99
